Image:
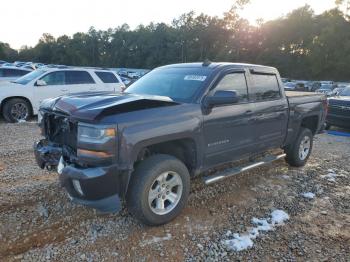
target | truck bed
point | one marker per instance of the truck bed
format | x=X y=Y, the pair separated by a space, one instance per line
x=296 y=98
x=300 y=93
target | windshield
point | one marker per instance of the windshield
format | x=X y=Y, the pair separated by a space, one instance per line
x=345 y=92
x=180 y=84
x=29 y=77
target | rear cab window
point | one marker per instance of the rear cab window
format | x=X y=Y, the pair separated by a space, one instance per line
x=107 y=77
x=264 y=87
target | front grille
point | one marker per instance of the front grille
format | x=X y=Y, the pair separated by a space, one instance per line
x=58 y=129
x=339 y=110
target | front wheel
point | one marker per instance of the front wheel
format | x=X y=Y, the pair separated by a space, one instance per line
x=299 y=152
x=158 y=189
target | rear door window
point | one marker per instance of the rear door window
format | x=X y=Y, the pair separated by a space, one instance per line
x=107 y=77
x=264 y=87
x=78 y=77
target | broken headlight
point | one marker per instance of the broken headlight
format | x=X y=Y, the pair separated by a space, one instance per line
x=97 y=134
x=96 y=142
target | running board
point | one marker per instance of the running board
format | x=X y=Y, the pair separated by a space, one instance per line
x=237 y=170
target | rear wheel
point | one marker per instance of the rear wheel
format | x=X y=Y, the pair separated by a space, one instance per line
x=299 y=152
x=158 y=189
x=16 y=110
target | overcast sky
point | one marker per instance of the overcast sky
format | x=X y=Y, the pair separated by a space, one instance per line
x=24 y=21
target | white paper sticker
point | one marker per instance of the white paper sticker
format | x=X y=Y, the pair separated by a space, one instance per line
x=195 y=77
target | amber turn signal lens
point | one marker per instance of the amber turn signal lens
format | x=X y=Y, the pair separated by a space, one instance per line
x=110 y=132
x=90 y=153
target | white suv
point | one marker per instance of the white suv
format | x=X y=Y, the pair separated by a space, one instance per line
x=10 y=73
x=21 y=98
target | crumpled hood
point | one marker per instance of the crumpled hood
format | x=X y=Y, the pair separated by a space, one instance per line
x=92 y=106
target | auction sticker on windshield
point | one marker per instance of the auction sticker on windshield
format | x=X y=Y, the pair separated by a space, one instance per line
x=195 y=77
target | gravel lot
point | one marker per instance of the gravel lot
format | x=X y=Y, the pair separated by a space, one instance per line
x=38 y=222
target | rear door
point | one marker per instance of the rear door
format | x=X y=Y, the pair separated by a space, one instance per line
x=270 y=111
x=109 y=81
x=227 y=129
x=78 y=81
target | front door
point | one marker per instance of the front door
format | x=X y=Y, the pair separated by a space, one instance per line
x=227 y=129
x=54 y=86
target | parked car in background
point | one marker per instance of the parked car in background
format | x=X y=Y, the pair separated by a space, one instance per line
x=12 y=73
x=326 y=89
x=22 y=97
x=19 y=63
x=294 y=86
x=7 y=64
x=314 y=86
x=339 y=109
x=126 y=80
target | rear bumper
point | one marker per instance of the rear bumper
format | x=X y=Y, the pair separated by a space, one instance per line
x=99 y=187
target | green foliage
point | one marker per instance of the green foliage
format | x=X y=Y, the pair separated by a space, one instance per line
x=301 y=45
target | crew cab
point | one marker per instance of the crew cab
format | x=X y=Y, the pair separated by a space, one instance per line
x=21 y=98
x=178 y=121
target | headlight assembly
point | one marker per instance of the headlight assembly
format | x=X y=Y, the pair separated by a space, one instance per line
x=97 y=134
x=96 y=143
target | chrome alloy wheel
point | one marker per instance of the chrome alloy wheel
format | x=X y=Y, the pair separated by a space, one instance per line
x=19 y=111
x=165 y=193
x=304 y=147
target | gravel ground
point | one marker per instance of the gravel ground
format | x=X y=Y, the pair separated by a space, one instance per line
x=39 y=223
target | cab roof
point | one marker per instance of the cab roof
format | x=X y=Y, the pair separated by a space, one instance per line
x=217 y=65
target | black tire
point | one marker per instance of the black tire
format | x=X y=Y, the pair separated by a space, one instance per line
x=9 y=106
x=144 y=177
x=294 y=157
x=328 y=126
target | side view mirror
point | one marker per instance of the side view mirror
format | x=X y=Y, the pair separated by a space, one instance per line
x=40 y=83
x=222 y=97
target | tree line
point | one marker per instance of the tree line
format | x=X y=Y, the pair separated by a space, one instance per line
x=302 y=45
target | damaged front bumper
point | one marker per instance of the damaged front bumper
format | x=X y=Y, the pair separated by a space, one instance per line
x=47 y=155
x=99 y=187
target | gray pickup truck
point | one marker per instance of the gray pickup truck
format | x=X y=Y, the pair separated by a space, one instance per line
x=178 y=121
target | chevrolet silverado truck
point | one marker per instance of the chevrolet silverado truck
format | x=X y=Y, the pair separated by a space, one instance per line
x=145 y=144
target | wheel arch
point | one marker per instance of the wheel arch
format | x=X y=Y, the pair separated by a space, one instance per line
x=310 y=122
x=3 y=102
x=184 y=149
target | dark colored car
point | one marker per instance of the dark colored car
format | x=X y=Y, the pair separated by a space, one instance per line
x=176 y=122
x=339 y=109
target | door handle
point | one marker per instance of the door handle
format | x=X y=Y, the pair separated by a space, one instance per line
x=92 y=88
x=64 y=90
x=248 y=112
